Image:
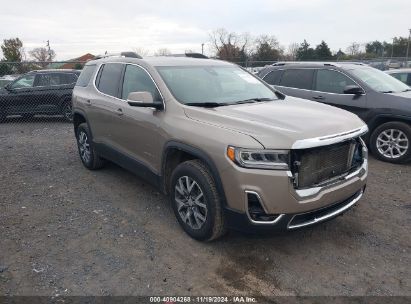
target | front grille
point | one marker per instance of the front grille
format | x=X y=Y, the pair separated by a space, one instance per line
x=318 y=165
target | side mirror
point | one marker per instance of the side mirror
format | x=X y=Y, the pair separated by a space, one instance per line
x=144 y=100
x=353 y=89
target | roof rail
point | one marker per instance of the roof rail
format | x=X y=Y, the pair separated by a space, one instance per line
x=280 y=63
x=122 y=54
x=192 y=55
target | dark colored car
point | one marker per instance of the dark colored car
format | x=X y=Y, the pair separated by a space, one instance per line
x=403 y=75
x=46 y=92
x=382 y=101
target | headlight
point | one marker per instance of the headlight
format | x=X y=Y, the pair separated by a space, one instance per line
x=259 y=159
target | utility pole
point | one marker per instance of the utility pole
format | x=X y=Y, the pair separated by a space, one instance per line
x=48 y=49
x=202 y=48
x=408 y=49
x=392 y=49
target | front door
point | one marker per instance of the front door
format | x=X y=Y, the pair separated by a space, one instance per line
x=328 y=88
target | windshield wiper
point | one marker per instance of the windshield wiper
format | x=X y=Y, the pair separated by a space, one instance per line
x=252 y=100
x=387 y=92
x=407 y=90
x=206 y=104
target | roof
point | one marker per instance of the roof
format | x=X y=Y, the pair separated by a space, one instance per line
x=54 y=71
x=307 y=64
x=165 y=61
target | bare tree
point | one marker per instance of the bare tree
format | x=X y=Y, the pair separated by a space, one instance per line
x=162 y=52
x=230 y=45
x=353 y=49
x=292 y=50
x=143 y=52
x=42 y=55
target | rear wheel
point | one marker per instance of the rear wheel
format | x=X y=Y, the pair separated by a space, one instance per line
x=87 y=152
x=196 y=202
x=391 y=142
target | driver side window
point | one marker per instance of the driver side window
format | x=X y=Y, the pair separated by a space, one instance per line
x=24 y=82
x=331 y=81
x=137 y=80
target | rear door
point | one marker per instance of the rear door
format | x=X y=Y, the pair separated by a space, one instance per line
x=296 y=82
x=329 y=88
x=104 y=107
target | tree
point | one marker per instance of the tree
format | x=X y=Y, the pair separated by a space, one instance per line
x=353 y=49
x=230 y=46
x=267 y=48
x=374 y=48
x=162 y=52
x=43 y=55
x=293 y=50
x=143 y=52
x=322 y=51
x=12 y=50
x=305 y=52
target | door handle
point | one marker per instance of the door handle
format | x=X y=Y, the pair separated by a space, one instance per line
x=319 y=97
x=119 y=111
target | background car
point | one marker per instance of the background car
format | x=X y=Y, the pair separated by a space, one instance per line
x=382 y=101
x=39 y=92
x=403 y=75
x=6 y=79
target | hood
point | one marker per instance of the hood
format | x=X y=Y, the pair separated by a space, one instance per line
x=279 y=124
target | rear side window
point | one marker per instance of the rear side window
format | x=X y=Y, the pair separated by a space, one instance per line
x=137 y=80
x=332 y=81
x=109 y=78
x=273 y=77
x=85 y=75
x=55 y=79
x=300 y=79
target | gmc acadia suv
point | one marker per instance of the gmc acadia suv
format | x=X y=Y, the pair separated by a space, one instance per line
x=228 y=150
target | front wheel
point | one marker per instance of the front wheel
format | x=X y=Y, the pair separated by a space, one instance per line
x=67 y=111
x=196 y=202
x=390 y=142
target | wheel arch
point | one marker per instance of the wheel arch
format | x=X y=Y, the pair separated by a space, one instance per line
x=176 y=152
x=378 y=120
x=80 y=117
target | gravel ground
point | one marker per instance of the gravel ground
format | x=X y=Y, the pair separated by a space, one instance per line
x=69 y=231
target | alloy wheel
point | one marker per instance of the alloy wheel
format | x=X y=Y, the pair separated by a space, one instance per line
x=84 y=147
x=190 y=201
x=392 y=143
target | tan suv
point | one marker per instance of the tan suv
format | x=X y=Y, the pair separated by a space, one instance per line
x=228 y=150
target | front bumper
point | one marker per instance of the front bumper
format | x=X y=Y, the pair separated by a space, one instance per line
x=278 y=197
x=241 y=221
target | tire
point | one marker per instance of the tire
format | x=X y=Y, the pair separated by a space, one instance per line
x=67 y=111
x=201 y=216
x=391 y=142
x=88 y=155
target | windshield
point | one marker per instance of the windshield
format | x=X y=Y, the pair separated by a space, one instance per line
x=218 y=85
x=379 y=81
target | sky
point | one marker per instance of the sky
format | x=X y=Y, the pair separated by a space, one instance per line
x=78 y=27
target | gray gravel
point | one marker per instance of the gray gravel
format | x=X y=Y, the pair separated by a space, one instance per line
x=69 y=231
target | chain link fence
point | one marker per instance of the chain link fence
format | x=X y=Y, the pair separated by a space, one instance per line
x=37 y=91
